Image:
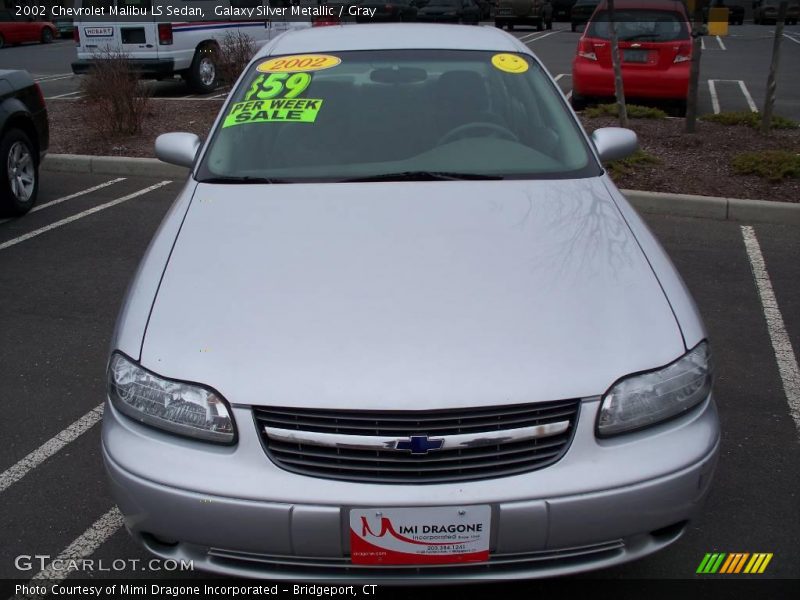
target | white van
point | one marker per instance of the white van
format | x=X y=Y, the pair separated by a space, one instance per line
x=160 y=49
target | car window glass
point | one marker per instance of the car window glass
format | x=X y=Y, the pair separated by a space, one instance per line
x=398 y=111
x=647 y=25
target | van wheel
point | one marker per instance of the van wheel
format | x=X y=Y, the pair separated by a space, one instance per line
x=577 y=102
x=19 y=173
x=203 y=75
x=47 y=35
x=2 y=41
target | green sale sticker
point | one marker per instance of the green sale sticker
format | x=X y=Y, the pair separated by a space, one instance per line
x=293 y=110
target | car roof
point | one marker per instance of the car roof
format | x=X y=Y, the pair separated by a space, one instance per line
x=397 y=36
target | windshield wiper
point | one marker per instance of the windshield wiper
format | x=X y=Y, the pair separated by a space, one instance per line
x=243 y=179
x=424 y=176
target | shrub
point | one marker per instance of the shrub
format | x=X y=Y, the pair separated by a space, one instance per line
x=634 y=111
x=750 y=119
x=640 y=158
x=118 y=102
x=774 y=165
x=235 y=52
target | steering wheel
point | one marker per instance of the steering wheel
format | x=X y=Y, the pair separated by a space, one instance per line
x=461 y=130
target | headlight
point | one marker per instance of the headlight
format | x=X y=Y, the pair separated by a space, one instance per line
x=641 y=400
x=177 y=407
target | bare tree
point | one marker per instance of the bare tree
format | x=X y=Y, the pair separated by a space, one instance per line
x=772 y=84
x=698 y=30
x=619 y=89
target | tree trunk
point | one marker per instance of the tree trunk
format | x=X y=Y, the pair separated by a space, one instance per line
x=772 y=84
x=619 y=89
x=698 y=30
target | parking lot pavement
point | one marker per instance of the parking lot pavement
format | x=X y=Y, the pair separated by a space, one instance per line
x=733 y=71
x=63 y=272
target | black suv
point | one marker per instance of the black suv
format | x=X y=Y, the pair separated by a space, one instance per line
x=24 y=137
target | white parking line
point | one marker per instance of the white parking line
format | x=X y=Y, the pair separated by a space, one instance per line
x=80 y=215
x=84 y=546
x=548 y=34
x=781 y=345
x=712 y=89
x=52 y=76
x=559 y=76
x=16 y=472
x=71 y=196
x=702 y=43
x=721 y=45
x=63 y=95
x=748 y=97
x=795 y=40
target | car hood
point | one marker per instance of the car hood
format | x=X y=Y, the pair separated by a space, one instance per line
x=407 y=295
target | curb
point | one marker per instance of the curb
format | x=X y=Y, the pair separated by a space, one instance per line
x=679 y=205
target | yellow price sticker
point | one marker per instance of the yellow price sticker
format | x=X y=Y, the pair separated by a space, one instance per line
x=294 y=110
x=299 y=62
x=510 y=63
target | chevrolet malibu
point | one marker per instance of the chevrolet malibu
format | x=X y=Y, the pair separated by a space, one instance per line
x=400 y=326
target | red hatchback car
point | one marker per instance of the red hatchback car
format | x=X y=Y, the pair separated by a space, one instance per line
x=17 y=30
x=656 y=50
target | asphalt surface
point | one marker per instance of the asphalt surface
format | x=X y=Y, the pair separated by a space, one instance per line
x=61 y=290
x=734 y=68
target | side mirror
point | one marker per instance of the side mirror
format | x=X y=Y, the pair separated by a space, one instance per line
x=614 y=143
x=177 y=148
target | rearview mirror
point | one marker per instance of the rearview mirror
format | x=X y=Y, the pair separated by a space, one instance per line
x=177 y=148
x=614 y=143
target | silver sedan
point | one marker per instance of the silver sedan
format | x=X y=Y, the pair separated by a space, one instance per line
x=400 y=325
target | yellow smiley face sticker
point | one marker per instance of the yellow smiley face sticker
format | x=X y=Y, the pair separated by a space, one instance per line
x=510 y=63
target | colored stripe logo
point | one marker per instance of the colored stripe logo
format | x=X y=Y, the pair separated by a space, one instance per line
x=734 y=563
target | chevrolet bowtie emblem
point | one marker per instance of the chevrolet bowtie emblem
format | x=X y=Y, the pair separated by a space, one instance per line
x=419 y=444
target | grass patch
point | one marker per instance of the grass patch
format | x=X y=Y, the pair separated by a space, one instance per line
x=773 y=165
x=750 y=119
x=634 y=111
x=640 y=158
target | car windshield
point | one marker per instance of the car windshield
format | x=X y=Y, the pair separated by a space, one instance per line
x=647 y=25
x=372 y=114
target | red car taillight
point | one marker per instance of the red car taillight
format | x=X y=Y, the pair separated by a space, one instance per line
x=39 y=95
x=586 y=49
x=684 y=53
x=76 y=35
x=324 y=21
x=165 y=34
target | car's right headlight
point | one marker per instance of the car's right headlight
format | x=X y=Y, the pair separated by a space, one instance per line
x=173 y=406
x=648 y=398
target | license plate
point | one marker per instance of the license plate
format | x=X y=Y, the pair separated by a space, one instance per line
x=638 y=56
x=98 y=31
x=419 y=536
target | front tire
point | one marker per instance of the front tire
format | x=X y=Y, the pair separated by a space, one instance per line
x=47 y=35
x=203 y=76
x=578 y=102
x=19 y=173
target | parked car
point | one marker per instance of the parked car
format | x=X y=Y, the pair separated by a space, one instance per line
x=24 y=138
x=511 y=13
x=656 y=48
x=766 y=11
x=581 y=12
x=65 y=27
x=450 y=11
x=431 y=320
x=562 y=9
x=19 y=30
x=388 y=10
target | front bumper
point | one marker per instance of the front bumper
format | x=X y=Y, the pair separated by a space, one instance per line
x=232 y=511
x=146 y=67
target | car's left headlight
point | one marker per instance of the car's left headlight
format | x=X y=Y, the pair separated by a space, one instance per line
x=174 y=406
x=642 y=400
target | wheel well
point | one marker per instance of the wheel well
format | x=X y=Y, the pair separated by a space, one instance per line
x=26 y=125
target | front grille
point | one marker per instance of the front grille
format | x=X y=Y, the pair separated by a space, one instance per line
x=479 y=461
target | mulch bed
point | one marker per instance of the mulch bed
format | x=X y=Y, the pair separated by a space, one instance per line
x=689 y=164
